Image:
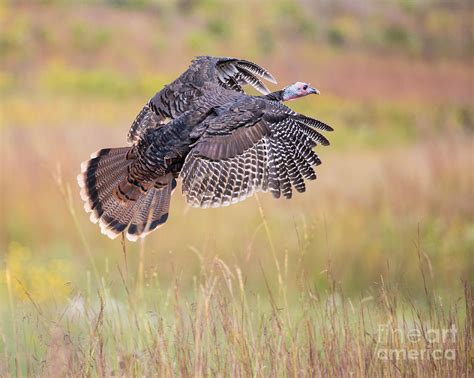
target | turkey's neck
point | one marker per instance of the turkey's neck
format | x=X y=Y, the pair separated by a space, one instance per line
x=274 y=96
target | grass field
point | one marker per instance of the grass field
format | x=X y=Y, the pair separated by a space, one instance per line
x=368 y=273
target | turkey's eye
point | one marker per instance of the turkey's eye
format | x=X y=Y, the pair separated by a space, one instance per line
x=305 y=87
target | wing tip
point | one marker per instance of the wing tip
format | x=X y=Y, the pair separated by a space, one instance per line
x=258 y=70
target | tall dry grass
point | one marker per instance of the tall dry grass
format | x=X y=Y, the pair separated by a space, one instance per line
x=223 y=328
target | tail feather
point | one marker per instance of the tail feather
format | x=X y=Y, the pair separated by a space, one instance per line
x=153 y=212
x=105 y=162
x=99 y=181
x=117 y=217
x=99 y=187
x=128 y=191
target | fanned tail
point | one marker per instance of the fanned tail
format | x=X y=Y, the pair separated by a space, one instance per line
x=137 y=216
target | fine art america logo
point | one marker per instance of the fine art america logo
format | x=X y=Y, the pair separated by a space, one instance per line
x=415 y=344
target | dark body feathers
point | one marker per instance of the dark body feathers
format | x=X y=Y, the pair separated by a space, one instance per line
x=179 y=96
x=223 y=144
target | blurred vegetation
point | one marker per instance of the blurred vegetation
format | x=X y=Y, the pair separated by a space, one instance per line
x=395 y=79
x=58 y=78
x=390 y=213
x=416 y=28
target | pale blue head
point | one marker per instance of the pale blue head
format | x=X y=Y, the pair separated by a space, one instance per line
x=297 y=90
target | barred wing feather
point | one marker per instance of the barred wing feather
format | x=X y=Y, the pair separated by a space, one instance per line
x=233 y=73
x=276 y=157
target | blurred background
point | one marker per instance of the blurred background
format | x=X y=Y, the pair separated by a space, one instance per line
x=396 y=82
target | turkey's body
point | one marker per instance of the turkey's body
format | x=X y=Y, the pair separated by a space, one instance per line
x=162 y=150
x=223 y=144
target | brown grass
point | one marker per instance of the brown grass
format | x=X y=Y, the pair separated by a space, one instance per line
x=225 y=329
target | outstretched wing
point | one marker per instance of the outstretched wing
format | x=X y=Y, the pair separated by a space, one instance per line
x=234 y=73
x=239 y=155
x=177 y=97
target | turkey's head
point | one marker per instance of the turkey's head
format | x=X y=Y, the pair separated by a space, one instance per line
x=297 y=90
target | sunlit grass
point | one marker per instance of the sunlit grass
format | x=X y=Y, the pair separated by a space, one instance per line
x=224 y=325
x=44 y=281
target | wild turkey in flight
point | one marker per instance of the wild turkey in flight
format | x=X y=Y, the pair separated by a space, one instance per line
x=227 y=146
x=175 y=98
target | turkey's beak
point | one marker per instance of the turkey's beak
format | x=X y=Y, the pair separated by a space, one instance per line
x=313 y=91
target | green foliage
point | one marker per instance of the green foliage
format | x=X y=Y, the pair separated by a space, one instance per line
x=409 y=5
x=88 y=38
x=406 y=28
x=398 y=37
x=265 y=41
x=336 y=36
x=130 y=3
x=293 y=19
x=160 y=43
x=13 y=40
x=59 y=78
x=343 y=31
x=6 y=83
x=198 y=42
x=219 y=28
x=466 y=117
